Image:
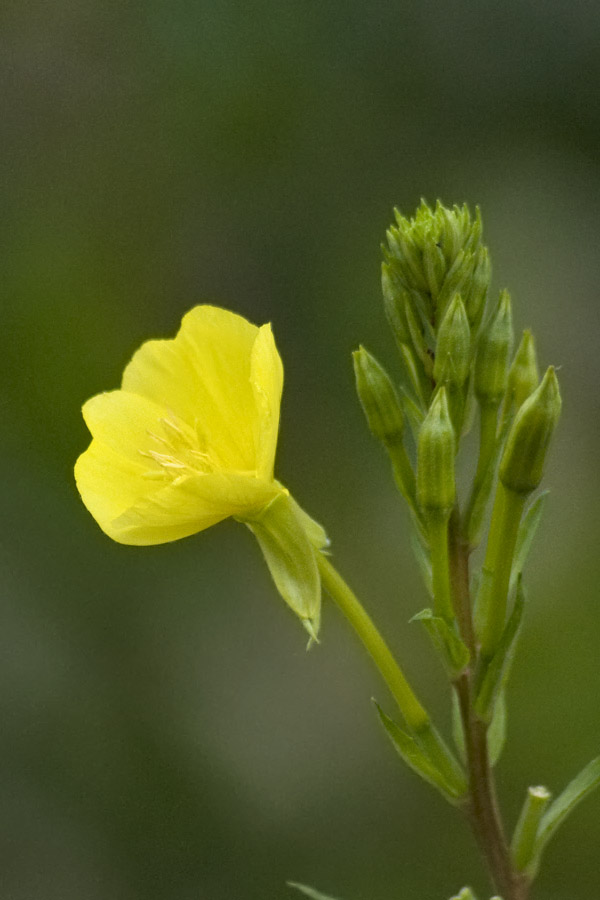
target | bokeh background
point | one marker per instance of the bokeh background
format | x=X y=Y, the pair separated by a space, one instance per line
x=163 y=733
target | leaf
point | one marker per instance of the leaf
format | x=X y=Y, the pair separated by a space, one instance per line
x=458 y=734
x=455 y=655
x=582 y=785
x=497 y=729
x=498 y=669
x=416 y=758
x=527 y=530
x=423 y=561
x=308 y=891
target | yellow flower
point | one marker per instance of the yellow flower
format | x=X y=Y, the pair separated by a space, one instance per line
x=190 y=440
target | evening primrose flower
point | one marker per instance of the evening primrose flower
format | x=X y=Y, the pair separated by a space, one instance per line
x=190 y=440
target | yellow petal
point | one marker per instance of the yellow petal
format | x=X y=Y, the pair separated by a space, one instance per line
x=133 y=509
x=267 y=384
x=203 y=376
x=188 y=505
x=124 y=422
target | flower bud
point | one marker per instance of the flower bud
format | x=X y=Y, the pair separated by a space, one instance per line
x=378 y=398
x=526 y=447
x=523 y=377
x=477 y=291
x=436 y=489
x=452 y=354
x=393 y=303
x=493 y=354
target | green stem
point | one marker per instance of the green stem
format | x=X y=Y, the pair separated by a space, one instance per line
x=415 y=715
x=504 y=528
x=523 y=844
x=483 y=808
x=440 y=566
x=488 y=422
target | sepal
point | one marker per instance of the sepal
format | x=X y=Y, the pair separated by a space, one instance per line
x=288 y=538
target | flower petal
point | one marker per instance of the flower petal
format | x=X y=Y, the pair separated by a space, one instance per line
x=191 y=504
x=124 y=422
x=203 y=376
x=266 y=377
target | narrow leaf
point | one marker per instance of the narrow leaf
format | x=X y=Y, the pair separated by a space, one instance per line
x=458 y=734
x=527 y=530
x=455 y=655
x=496 y=674
x=423 y=561
x=415 y=757
x=497 y=729
x=308 y=891
x=582 y=785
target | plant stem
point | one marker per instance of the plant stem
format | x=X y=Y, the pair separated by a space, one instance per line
x=415 y=715
x=504 y=528
x=437 y=532
x=484 y=814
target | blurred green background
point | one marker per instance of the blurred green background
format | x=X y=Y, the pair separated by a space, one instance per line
x=163 y=734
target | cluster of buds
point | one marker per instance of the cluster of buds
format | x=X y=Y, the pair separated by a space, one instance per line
x=456 y=349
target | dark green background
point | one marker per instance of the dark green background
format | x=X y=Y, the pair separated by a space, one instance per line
x=163 y=734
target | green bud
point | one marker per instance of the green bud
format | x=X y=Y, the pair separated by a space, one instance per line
x=378 y=398
x=526 y=447
x=478 y=287
x=453 y=351
x=393 y=303
x=523 y=377
x=436 y=489
x=493 y=354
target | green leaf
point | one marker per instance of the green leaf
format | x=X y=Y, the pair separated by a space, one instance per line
x=582 y=785
x=458 y=734
x=455 y=655
x=498 y=669
x=423 y=560
x=527 y=530
x=308 y=891
x=281 y=531
x=417 y=759
x=497 y=729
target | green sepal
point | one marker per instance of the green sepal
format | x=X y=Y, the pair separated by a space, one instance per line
x=288 y=538
x=527 y=530
x=308 y=891
x=495 y=675
x=455 y=655
x=497 y=729
x=419 y=760
x=582 y=785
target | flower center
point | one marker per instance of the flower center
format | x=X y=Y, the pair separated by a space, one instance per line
x=176 y=451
